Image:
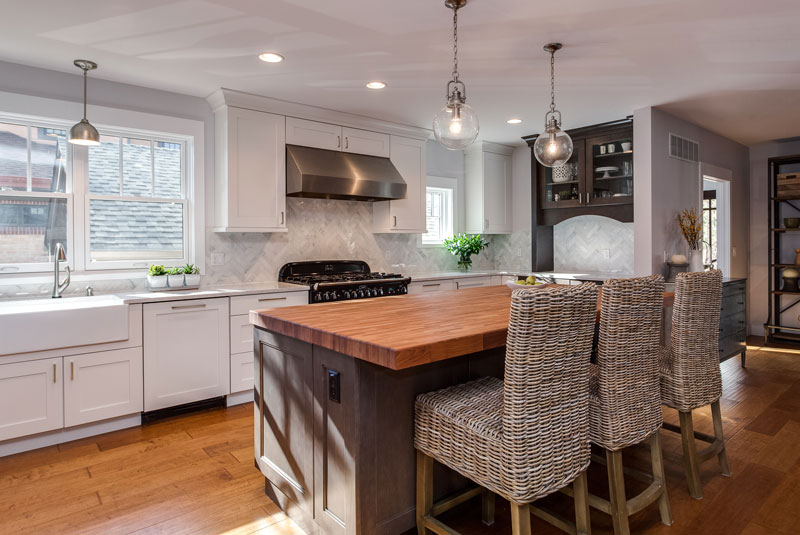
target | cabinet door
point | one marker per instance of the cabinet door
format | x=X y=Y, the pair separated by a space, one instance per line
x=497 y=193
x=31 y=398
x=405 y=215
x=366 y=142
x=256 y=185
x=313 y=134
x=423 y=287
x=609 y=169
x=102 y=385
x=186 y=351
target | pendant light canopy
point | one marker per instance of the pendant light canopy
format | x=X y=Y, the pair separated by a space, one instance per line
x=553 y=147
x=456 y=125
x=84 y=133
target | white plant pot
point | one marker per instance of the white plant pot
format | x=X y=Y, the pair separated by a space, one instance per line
x=157 y=281
x=192 y=280
x=696 y=260
x=175 y=281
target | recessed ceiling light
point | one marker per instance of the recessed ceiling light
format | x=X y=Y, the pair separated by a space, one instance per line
x=270 y=57
x=376 y=85
x=514 y=121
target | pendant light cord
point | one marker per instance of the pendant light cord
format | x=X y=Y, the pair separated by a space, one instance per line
x=455 y=44
x=85 y=71
x=552 y=81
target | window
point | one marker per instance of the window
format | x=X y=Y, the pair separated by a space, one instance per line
x=438 y=215
x=710 y=228
x=34 y=203
x=136 y=202
x=122 y=204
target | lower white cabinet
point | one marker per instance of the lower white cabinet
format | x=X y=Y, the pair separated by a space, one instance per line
x=473 y=282
x=424 y=287
x=102 y=385
x=186 y=351
x=31 y=397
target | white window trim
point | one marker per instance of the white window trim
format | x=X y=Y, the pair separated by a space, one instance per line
x=60 y=113
x=446 y=183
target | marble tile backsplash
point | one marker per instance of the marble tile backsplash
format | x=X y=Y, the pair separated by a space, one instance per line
x=318 y=230
x=580 y=244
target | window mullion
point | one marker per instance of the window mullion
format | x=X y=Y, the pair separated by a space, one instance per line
x=29 y=175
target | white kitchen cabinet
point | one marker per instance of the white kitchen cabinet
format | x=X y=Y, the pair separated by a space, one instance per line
x=103 y=385
x=31 y=397
x=242 y=369
x=313 y=134
x=404 y=215
x=186 y=351
x=423 y=287
x=473 y=282
x=250 y=182
x=366 y=142
x=334 y=137
x=488 y=188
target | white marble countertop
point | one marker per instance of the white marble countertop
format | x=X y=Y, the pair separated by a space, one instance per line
x=228 y=290
x=584 y=275
x=440 y=275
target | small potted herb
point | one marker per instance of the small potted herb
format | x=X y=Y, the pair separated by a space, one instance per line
x=157 y=277
x=191 y=275
x=464 y=246
x=175 y=277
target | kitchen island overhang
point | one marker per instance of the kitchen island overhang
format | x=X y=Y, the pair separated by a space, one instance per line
x=335 y=390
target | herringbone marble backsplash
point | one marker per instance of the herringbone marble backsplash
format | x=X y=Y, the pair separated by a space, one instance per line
x=579 y=244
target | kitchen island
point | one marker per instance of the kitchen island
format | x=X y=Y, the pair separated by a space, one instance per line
x=335 y=390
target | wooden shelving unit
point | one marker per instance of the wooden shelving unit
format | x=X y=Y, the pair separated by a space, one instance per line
x=780 y=325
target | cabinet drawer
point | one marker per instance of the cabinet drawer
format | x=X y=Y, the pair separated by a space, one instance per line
x=241 y=334
x=730 y=345
x=245 y=303
x=732 y=304
x=732 y=324
x=242 y=372
x=733 y=288
x=473 y=282
x=422 y=287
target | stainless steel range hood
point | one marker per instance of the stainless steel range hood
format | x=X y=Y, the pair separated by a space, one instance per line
x=329 y=174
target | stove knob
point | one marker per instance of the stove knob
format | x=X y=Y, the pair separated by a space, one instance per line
x=374 y=292
x=326 y=296
x=380 y=291
x=318 y=297
x=403 y=289
x=361 y=293
x=346 y=294
x=334 y=295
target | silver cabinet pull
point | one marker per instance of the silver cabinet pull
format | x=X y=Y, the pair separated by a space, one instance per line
x=54 y=373
x=272 y=299
x=580 y=198
x=72 y=370
x=346 y=142
x=186 y=307
x=395 y=221
x=432 y=284
x=282 y=218
x=338 y=142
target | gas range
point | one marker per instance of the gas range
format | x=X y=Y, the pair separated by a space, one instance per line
x=342 y=280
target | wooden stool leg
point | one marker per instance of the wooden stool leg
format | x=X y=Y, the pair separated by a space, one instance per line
x=690 y=455
x=658 y=474
x=716 y=416
x=616 y=488
x=520 y=519
x=424 y=490
x=487 y=507
x=580 y=490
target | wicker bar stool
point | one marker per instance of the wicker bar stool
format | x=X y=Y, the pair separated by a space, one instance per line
x=527 y=436
x=624 y=401
x=690 y=374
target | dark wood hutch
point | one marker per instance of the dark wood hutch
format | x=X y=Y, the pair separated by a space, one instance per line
x=597 y=180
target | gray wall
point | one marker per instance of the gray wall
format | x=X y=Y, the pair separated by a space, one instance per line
x=665 y=186
x=757 y=284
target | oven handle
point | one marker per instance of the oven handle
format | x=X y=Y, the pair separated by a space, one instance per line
x=319 y=285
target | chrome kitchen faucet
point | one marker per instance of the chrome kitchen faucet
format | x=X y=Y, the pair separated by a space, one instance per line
x=60 y=256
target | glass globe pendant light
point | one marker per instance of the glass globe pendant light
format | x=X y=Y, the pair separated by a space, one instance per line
x=83 y=133
x=456 y=125
x=553 y=147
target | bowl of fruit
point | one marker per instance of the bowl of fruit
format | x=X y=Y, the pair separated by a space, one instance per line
x=528 y=282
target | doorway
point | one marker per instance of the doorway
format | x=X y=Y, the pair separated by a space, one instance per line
x=716 y=217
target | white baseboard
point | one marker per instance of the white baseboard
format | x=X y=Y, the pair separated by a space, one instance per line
x=239 y=398
x=17 y=445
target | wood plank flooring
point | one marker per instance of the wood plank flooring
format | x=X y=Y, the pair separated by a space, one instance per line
x=194 y=474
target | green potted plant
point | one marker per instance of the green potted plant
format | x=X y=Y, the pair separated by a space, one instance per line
x=175 y=277
x=464 y=246
x=191 y=274
x=157 y=277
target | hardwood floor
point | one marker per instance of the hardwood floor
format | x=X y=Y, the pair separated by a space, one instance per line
x=194 y=474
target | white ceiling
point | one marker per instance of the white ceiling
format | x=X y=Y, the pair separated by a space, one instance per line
x=732 y=66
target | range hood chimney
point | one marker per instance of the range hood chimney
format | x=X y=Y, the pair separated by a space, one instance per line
x=329 y=174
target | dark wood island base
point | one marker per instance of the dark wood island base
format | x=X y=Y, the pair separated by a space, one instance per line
x=334 y=434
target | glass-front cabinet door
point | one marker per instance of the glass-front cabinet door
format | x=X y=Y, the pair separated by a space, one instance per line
x=563 y=186
x=609 y=169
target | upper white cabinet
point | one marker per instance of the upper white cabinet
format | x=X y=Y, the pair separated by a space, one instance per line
x=186 y=351
x=102 y=385
x=488 y=188
x=333 y=137
x=31 y=397
x=250 y=185
x=404 y=215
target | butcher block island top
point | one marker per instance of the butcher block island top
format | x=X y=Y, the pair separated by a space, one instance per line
x=401 y=331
